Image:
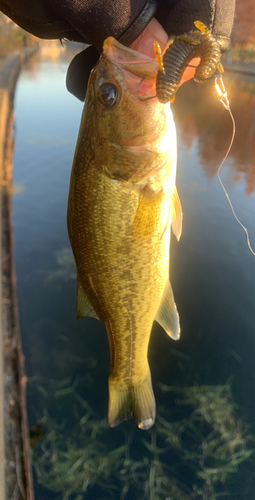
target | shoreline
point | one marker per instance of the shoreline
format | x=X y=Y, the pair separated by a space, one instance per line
x=239 y=67
x=15 y=466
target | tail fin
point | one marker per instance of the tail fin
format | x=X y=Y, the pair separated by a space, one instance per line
x=131 y=400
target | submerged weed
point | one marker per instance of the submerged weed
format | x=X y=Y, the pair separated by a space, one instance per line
x=185 y=456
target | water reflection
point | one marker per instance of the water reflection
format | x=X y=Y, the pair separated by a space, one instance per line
x=199 y=116
x=201 y=444
x=65 y=267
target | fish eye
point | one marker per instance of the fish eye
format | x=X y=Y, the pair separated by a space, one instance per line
x=109 y=94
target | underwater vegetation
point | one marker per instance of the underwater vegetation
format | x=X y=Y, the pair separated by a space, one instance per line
x=199 y=449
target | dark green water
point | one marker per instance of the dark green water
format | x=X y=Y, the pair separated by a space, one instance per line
x=201 y=445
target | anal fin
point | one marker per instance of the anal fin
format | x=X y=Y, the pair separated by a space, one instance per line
x=167 y=315
x=83 y=306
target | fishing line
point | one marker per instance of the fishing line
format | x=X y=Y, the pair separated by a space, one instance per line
x=146 y=98
x=223 y=98
x=143 y=98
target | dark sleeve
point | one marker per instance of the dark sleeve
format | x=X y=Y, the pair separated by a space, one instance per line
x=92 y=21
x=89 y=21
x=178 y=16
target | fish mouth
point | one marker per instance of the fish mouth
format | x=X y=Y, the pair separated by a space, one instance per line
x=130 y=60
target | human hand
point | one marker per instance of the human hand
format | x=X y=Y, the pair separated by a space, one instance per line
x=170 y=19
x=91 y=21
x=155 y=32
x=143 y=43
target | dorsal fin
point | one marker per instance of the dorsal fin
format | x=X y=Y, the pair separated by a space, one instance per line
x=83 y=306
x=167 y=315
x=176 y=214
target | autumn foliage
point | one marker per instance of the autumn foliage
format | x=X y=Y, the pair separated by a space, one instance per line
x=243 y=34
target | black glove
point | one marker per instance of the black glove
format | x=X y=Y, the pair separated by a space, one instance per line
x=82 y=64
x=176 y=17
x=87 y=21
x=91 y=21
x=217 y=15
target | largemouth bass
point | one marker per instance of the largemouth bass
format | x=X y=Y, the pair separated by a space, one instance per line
x=122 y=201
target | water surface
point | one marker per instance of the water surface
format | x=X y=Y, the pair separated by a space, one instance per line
x=204 y=383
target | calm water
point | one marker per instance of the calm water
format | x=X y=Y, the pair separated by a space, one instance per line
x=201 y=444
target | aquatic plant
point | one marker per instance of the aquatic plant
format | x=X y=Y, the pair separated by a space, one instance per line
x=217 y=438
x=193 y=451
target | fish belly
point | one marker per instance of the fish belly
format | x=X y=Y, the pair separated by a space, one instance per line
x=120 y=237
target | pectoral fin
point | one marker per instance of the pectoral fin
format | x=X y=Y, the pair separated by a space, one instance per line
x=83 y=306
x=176 y=214
x=148 y=212
x=167 y=315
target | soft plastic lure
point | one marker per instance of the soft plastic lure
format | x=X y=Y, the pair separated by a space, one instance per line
x=178 y=54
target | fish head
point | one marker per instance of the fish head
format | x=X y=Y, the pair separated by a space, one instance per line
x=122 y=93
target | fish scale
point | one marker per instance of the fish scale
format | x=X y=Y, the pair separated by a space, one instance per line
x=122 y=189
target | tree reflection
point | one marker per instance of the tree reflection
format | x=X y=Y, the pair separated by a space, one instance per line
x=200 y=116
